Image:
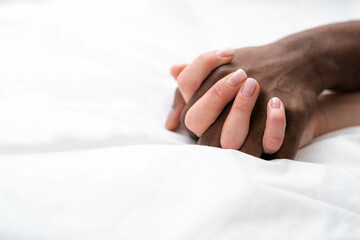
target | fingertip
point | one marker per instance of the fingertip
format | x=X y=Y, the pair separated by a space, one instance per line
x=236 y=78
x=275 y=107
x=175 y=70
x=250 y=88
x=172 y=121
x=191 y=122
x=275 y=103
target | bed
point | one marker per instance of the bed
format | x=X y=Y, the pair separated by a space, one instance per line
x=84 y=93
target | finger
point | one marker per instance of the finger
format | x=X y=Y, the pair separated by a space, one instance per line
x=236 y=125
x=211 y=137
x=214 y=77
x=253 y=142
x=195 y=73
x=207 y=109
x=294 y=129
x=175 y=70
x=275 y=126
x=173 y=119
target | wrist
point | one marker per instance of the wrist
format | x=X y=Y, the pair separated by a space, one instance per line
x=333 y=54
x=299 y=55
x=304 y=48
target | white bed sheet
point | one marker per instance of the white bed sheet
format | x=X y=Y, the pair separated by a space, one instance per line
x=84 y=92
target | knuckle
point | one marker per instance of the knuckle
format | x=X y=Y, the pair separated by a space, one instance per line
x=241 y=106
x=217 y=92
x=206 y=59
x=278 y=119
x=273 y=143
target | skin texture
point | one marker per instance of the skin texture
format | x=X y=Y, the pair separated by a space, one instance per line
x=295 y=69
x=334 y=111
x=274 y=72
x=206 y=110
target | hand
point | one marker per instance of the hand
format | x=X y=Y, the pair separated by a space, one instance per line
x=296 y=69
x=333 y=112
x=209 y=107
x=272 y=67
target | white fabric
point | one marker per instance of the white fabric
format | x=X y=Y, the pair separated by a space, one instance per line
x=84 y=93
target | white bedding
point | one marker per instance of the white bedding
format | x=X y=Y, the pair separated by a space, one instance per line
x=84 y=93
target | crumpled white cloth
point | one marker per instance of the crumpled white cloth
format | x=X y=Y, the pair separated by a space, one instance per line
x=84 y=93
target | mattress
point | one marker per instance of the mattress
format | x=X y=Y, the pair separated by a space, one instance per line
x=84 y=93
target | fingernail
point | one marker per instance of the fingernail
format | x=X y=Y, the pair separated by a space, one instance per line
x=249 y=87
x=236 y=78
x=275 y=102
x=226 y=52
